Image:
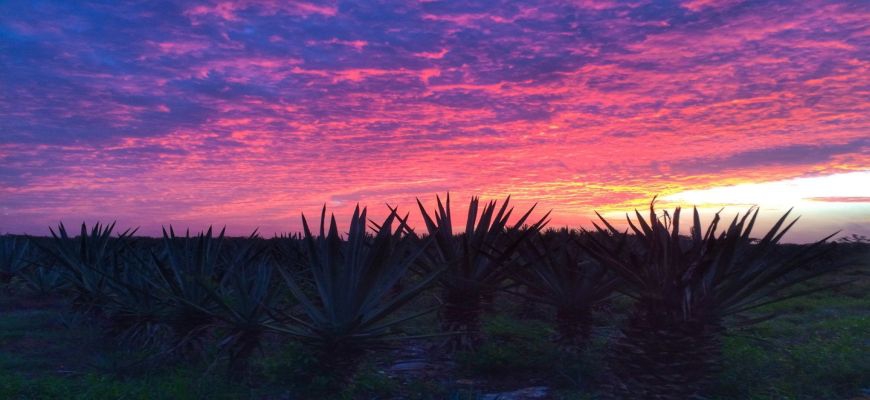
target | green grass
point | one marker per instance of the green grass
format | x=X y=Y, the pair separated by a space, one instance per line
x=513 y=346
x=46 y=356
x=174 y=385
x=816 y=349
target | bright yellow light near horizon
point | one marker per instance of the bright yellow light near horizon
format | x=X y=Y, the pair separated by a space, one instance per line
x=825 y=204
x=785 y=193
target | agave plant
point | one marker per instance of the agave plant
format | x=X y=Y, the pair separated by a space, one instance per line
x=108 y=277
x=243 y=304
x=137 y=310
x=289 y=251
x=351 y=307
x=42 y=280
x=187 y=272
x=474 y=261
x=684 y=289
x=88 y=262
x=12 y=252
x=42 y=277
x=557 y=273
x=179 y=296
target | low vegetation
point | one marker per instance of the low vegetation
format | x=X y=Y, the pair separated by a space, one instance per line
x=386 y=312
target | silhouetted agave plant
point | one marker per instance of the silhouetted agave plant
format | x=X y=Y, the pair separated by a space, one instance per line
x=243 y=301
x=684 y=288
x=42 y=277
x=192 y=289
x=351 y=307
x=186 y=272
x=289 y=251
x=137 y=310
x=42 y=280
x=474 y=261
x=88 y=262
x=12 y=254
x=557 y=273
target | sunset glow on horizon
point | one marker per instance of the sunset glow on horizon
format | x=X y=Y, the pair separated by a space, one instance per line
x=247 y=113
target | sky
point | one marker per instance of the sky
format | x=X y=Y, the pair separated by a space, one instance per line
x=246 y=113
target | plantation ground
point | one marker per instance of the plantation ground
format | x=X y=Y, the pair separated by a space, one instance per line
x=817 y=348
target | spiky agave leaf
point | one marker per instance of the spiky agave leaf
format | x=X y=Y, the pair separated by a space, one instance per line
x=706 y=275
x=557 y=273
x=42 y=276
x=243 y=301
x=288 y=250
x=108 y=275
x=42 y=280
x=89 y=261
x=137 y=311
x=12 y=257
x=685 y=286
x=242 y=251
x=474 y=260
x=352 y=308
x=186 y=269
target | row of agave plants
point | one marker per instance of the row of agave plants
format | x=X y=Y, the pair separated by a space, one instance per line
x=344 y=295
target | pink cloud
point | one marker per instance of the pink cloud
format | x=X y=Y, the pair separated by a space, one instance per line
x=228 y=10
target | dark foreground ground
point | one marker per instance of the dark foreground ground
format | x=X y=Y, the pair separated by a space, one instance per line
x=819 y=348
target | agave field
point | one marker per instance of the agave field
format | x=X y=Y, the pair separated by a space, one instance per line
x=491 y=305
